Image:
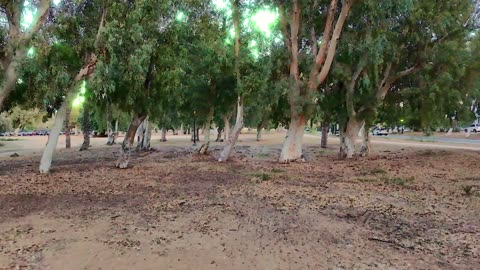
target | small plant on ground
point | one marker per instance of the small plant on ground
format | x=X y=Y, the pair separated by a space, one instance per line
x=400 y=181
x=275 y=170
x=468 y=190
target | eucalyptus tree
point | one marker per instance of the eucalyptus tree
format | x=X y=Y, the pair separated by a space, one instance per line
x=309 y=63
x=23 y=21
x=78 y=27
x=141 y=69
x=397 y=48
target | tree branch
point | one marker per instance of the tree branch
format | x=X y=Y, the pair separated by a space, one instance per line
x=284 y=25
x=42 y=11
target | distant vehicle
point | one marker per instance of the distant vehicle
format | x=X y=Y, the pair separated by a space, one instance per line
x=307 y=129
x=6 y=134
x=26 y=133
x=42 y=132
x=380 y=132
x=473 y=128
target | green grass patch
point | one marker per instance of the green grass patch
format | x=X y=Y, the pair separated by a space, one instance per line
x=275 y=170
x=7 y=139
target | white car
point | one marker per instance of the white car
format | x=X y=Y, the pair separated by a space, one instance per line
x=473 y=128
x=380 y=132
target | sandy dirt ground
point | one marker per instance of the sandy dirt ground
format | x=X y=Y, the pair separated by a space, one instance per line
x=401 y=208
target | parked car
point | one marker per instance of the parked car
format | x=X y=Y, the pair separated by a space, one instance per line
x=380 y=132
x=473 y=128
x=42 y=132
x=6 y=134
x=26 y=133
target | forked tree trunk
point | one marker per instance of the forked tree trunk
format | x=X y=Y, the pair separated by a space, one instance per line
x=68 y=143
x=292 y=147
x=164 y=134
x=232 y=139
x=365 y=146
x=348 y=137
x=324 y=140
x=46 y=161
x=86 y=129
x=128 y=141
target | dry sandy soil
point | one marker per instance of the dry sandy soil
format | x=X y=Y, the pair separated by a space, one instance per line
x=402 y=208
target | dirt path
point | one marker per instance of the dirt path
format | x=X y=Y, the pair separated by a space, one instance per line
x=400 y=209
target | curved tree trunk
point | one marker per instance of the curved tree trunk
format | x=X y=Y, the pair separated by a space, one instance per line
x=292 y=147
x=68 y=142
x=46 y=161
x=128 y=141
x=348 y=137
x=11 y=77
x=86 y=129
x=324 y=140
x=164 y=134
x=232 y=139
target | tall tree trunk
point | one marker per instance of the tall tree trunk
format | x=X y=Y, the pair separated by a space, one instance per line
x=219 y=134
x=110 y=132
x=365 y=147
x=128 y=141
x=232 y=139
x=46 y=161
x=324 y=140
x=148 y=136
x=260 y=127
x=11 y=77
x=348 y=136
x=206 y=134
x=226 y=133
x=86 y=129
x=164 y=134
x=292 y=147
x=116 y=130
x=140 y=134
x=68 y=143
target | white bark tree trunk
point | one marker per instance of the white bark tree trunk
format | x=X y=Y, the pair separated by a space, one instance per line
x=147 y=135
x=292 y=146
x=46 y=161
x=232 y=139
x=110 y=132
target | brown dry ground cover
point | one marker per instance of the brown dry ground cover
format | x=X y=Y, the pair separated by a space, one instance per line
x=399 y=209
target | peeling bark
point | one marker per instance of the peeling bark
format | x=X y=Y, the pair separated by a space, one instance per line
x=232 y=139
x=128 y=141
x=292 y=147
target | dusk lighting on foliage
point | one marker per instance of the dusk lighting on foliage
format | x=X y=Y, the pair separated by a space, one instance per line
x=31 y=52
x=80 y=99
x=180 y=16
x=264 y=20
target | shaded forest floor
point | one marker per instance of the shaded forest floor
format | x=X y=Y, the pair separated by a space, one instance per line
x=402 y=208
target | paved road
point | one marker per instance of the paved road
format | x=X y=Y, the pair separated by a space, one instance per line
x=435 y=139
x=390 y=140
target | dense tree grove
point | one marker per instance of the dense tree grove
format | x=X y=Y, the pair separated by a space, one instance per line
x=140 y=65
